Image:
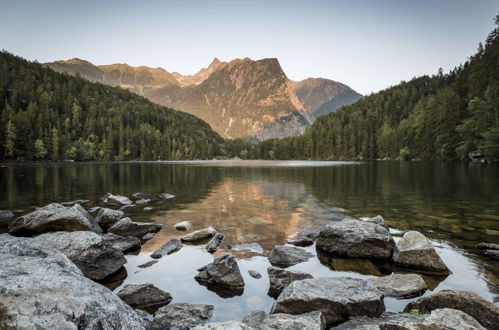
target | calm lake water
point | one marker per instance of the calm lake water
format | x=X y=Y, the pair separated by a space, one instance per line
x=455 y=205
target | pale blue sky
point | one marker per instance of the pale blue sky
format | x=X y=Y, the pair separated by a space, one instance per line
x=368 y=45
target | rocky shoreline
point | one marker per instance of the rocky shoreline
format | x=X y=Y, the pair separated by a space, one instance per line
x=54 y=260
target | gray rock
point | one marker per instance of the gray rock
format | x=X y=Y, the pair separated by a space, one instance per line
x=6 y=215
x=181 y=316
x=485 y=312
x=307 y=321
x=227 y=325
x=280 y=279
x=415 y=251
x=182 y=226
x=254 y=274
x=378 y=220
x=124 y=244
x=301 y=241
x=87 y=250
x=147 y=236
x=399 y=285
x=484 y=246
x=356 y=239
x=200 y=234
x=494 y=254
x=126 y=227
x=171 y=246
x=339 y=298
x=94 y=209
x=79 y=201
x=41 y=289
x=214 y=243
x=148 y=264
x=222 y=273
x=147 y=208
x=146 y=297
x=143 y=201
x=108 y=217
x=53 y=217
x=254 y=319
x=285 y=256
x=166 y=196
x=252 y=247
x=305 y=237
x=440 y=319
x=117 y=200
x=137 y=195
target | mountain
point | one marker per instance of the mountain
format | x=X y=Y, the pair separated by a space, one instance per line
x=242 y=98
x=46 y=115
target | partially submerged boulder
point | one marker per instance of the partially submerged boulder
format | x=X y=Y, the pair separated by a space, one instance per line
x=214 y=243
x=338 y=298
x=6 y=215
x=222 y=275
x=181 y=316
x=108 y=217
x=166 y=196
x=485 y=312
x=122 y=243
x=415 y=251
x=53 y=217
x=169 y=247
x=145 y=296
x=199 y=235
x=42 y=289
x=254 y=274
x=305 y=237
x=182 y=226
x=285 y=255
x=399 y=285
x=127 y=227
x=88 y=250
x=280 y=279
x=116 y=199
x=356 y=239
x=143 y=201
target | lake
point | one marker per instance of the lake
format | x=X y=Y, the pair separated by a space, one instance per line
x=456 y=205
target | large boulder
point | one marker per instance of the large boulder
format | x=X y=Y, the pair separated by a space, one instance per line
x=222 y=275
x=339 y=298
x=181 y=316
x=280 y=279
x=42 y=289
x=285 y=255
x=415 y=251
x=308 y=321
x=214 y=243
x=171 y=246
x=356 y=239
x=127 y=227
x=399 y=285
x=116 y=199
x=146 y=296
x=470 y=303
x=53 y=217
x=108 y=217
x=199 y=235
x=122 y=243
x=89 y=251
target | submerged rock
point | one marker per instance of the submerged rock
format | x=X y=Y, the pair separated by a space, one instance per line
x=41 y=289
x=222 y=273
x=415 y=251
x=200 y=234
x=252 y=247
x=182 y=226
x=171 y=246
x=254 y=274
x=53 y=217
x=285 y=256
x=89 y=251
x=146 y=296
x=6 y=215
x=485 y=312
x=214 y=243
x=166 y=196
x=116 y=199
x=181 y=316
x=339 y=298
x=356 y=239
x=124 y=244
x=148 y=264
x=399 y=285
x=126 y=227
x=280 y=279
x=108 y=217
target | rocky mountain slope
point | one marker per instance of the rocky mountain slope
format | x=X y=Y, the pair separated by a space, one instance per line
x=242 y=98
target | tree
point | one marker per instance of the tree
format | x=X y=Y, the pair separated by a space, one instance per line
x=10 y=140
x=40 y=151
x=55 y=144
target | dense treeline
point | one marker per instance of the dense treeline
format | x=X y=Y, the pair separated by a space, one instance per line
x=45 y=115
x=442 y=117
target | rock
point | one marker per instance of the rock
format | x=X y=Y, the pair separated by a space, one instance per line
x=94 y=209
x=53 y=217
x=253 y=247
x=79 y=201
x=124 y=244
x=181 y=316
x=254 y=319
x=214 y=243
x=485 y=312
x=126 y=227
x=89 y=251
x=147 y=208
x=200 y=234
x=309 y=233
x=494 y=254
x=285 y=256
x=254 y=274
x=117 y=200
x=440 y=319
x=6 y=215
x=171 y=246
x=301 y=241
x=415 y=251
x=339 y=298
x=143 y=201
x=280 y=279
x=308 y=321
x=137 y=195
x=148 y=264
x=356 y=239
x=222 y=273
x=399 y=285
x=41 y=289
x=147 y=236
x=146 y=296
x=108 y=217
x=182 y=226
x=378 y=220
x=227 y=325
x=484 y=246
x=166 y=196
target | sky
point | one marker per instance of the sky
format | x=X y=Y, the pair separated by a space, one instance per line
x=368 y=45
